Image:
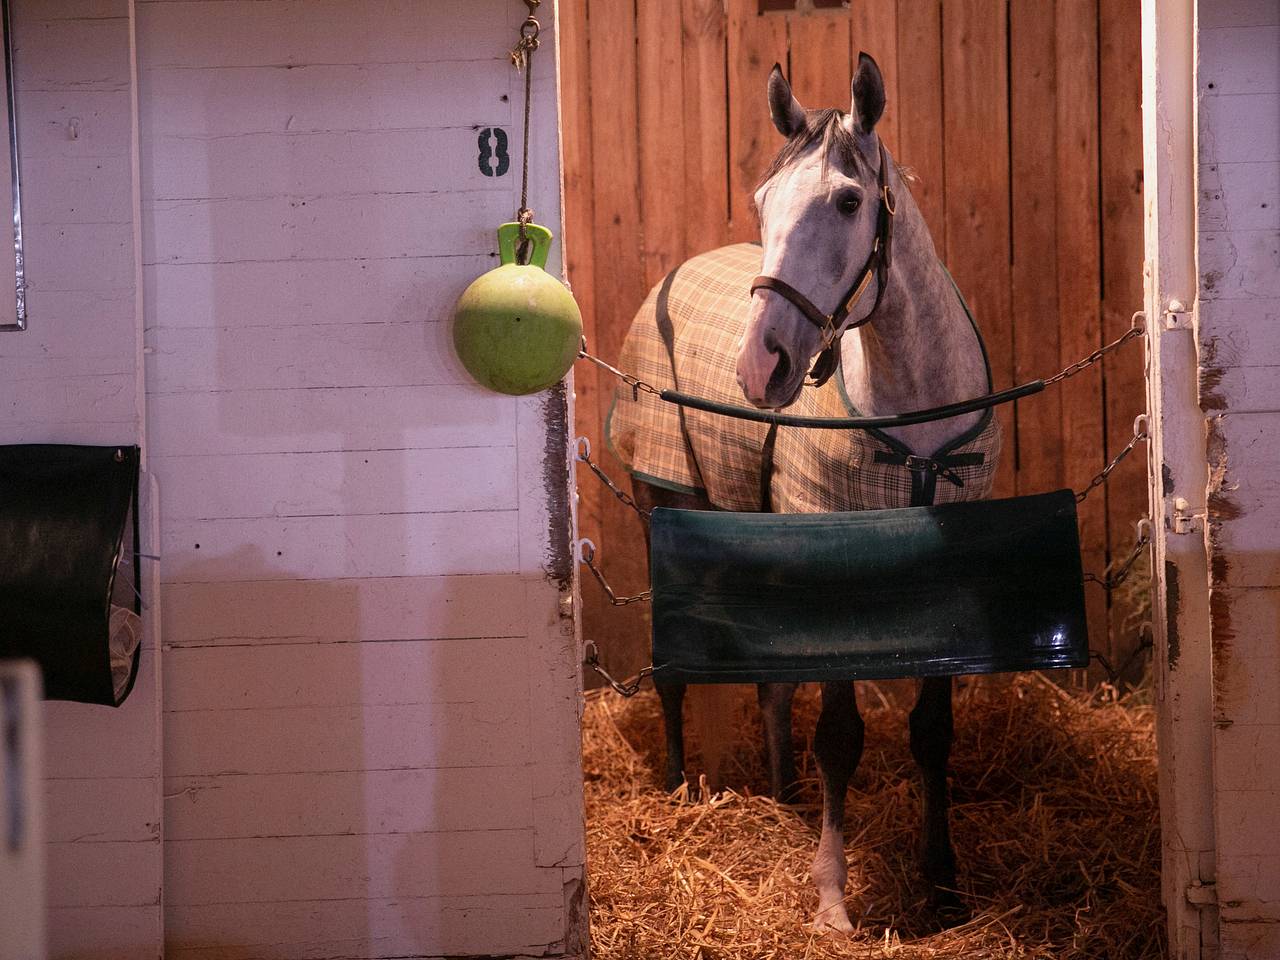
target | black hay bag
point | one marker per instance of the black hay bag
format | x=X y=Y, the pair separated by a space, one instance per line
x=64 y=516
x=985 y=587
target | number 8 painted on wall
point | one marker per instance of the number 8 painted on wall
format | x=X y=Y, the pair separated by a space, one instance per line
x=499 y=152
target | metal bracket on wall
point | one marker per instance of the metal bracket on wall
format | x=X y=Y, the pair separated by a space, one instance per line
x=1177 y=316
x=1183 y=519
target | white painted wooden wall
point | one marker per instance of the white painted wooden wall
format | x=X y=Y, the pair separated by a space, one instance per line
x=1212 y=119
x=370 y=673
x=73 y=377
x=1238 y=98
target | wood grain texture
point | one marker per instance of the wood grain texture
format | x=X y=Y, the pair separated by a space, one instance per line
x=875 y=30
x=919 y=112
x=976 y=141
x=820 y=65
x=362 y=549
x=706 y=125
x=74 y=376
x=755 y=43
x=368 y=927
x=620 y=281
x=1034 y=235
x=1078 y=283
x=660 y=98
x=1005 y=150
x=1120 y=177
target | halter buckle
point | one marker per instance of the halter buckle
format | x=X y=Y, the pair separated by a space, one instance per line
x=922 y=464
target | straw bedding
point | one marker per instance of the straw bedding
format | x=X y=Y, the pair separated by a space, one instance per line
x=1054 y=819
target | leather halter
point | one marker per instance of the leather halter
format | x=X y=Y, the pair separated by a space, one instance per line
x=878 y=261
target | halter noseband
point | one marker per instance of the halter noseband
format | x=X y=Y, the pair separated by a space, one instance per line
x=877 y=265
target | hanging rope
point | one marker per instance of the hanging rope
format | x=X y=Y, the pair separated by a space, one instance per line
x=522 y=60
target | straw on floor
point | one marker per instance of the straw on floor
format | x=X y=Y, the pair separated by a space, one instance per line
x=1054 y=818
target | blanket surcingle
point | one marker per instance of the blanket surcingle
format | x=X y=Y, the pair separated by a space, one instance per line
x=703 y=307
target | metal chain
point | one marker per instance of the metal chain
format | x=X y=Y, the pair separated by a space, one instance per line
x=1109 y=581
x=584 y=456
x=1139 y=434
x=635 y=383
x=522 y=60
x=587 y=550
x=1136 y=330
x=628 y=689
x=1115 y=674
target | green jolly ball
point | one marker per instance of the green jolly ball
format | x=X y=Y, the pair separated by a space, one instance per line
x=517 y=328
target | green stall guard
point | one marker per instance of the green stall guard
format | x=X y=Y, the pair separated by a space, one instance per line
x=991 y=586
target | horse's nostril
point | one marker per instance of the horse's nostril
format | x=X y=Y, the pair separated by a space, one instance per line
x=781 y=372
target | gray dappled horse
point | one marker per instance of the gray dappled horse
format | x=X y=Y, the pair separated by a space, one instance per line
x=910 y=344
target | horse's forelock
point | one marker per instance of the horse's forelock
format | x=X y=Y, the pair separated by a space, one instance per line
x=838 y=144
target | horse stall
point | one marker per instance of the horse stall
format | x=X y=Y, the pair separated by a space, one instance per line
x=1127 y=810
x=352 y=729
x=305 y=557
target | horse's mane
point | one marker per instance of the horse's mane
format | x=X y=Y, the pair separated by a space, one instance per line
x=838 y=144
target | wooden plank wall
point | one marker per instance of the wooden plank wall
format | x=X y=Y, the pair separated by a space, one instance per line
x=74 y=376
x=1238 y=252
x=1022 y=123
x=370 y=722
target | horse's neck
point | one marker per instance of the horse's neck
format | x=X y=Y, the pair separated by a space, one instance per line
x=919 y=350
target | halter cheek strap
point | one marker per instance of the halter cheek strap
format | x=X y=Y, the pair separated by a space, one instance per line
x=832 y=325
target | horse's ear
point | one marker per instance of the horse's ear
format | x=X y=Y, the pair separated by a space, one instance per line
x=787 y=114
x=868 y=94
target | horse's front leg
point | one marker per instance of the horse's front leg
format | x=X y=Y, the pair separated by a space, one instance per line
x=672 y=697
x=837 y=745
x=649 y=497
x=775 y=709
x=931 y=735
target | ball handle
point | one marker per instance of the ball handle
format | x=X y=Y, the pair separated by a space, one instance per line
x=509 y=236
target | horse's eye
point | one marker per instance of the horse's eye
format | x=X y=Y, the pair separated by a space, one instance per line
x=848 y=204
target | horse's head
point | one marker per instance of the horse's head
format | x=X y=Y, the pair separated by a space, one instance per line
x=820 y=209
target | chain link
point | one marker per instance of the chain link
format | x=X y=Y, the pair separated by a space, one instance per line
x=584 y=456
x=587 y=550
x=635 y=383
x=628 y=689
x=1109 y=581
x=1139 y=434
x=1137 y=330
x=1116 y=674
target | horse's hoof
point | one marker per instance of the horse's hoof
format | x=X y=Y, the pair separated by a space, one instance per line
x=832 y=919
x=950 y=910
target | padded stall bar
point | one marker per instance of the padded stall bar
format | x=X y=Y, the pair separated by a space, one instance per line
x=985 y=587
x=64 y=514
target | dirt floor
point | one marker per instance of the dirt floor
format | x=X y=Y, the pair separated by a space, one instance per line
x=1055 y=823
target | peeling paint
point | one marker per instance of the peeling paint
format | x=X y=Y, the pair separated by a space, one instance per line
x=1211 y=374
x=1173 y=604
x=555 y=479
x=1221 y=508
x=575 y=933
x=1166 y=479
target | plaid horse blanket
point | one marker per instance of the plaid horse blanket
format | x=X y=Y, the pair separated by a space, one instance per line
x=703 y=307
